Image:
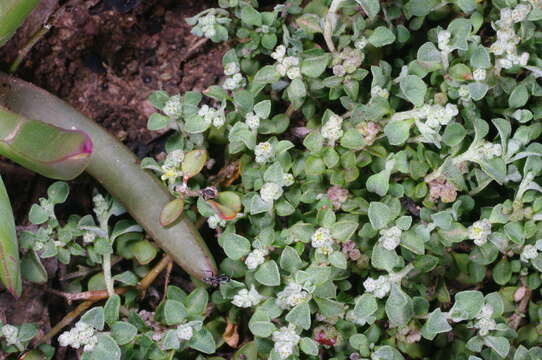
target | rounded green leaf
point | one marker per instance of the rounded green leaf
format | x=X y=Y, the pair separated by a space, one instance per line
x=235 y=246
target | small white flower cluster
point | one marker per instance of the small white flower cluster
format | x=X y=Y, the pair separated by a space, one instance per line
x=332 y=129
x=271 y=192
x=379 y=287
x=464 y=92
x=171 y=167
x=489 y=150
x=10 y=334
x=348 y=61
x=101 y=206
x=255 y=258
x=484 y=322
x=247 y=298
x=206 y=25
x=42 y=237
x=437 y=115
x=288 y=179
x=174 y=158
x=82 y=334
x=174 y=107
x=480 y=231
x=377 y=91
x=252 y=120
x=235 y=79
x=89 y=237
x=322 y=241
x=530 y=252
x=361 y=43
x=443 y=41
x=286 y=65
x=390 y=238
x=285 y=339
x=479 y=74
x=184 y=332
x=264 y=152
x=505 y=47
x=212 y=116
x=215 y=221
x=292 y=295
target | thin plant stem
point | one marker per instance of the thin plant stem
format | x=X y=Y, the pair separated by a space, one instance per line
x=23 y=52
x=72 y=315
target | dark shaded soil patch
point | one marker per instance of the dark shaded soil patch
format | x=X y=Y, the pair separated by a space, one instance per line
x=105 y=62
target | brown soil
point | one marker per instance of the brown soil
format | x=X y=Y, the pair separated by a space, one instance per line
x=106 y=63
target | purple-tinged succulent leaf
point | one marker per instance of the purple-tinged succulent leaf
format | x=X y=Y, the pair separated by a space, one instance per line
x=48 y=150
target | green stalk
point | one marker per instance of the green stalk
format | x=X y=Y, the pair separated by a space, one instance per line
x=118 y=170
x=12 y=15
x=10 y=271
x=48 y=150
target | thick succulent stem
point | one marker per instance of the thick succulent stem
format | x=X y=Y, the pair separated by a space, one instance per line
x=118 y=170
x=10 y=271
x=12 y=15
x=48 y=150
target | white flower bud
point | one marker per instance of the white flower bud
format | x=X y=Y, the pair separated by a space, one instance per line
x=332 y=129
x=231 y=69
x=230 y=84
x=480 y=231
x=247 y=298
x=443 y=38
x=288 y=180
x=252 y=120
x=479 y=74
x=338 y=70
x=10 y=333
x=379 y=287
x=390 y=238
x=279 y=53
x=174 y=107
x=292 y=295
x=89 y=237
x=529 y=252
x=285 y=339
x=293 y=73
x=255 y=258
x=464 y=92
x=361 y=43
x=184 y=332
x=263 y=152
x=215 y=221
x=270 y=192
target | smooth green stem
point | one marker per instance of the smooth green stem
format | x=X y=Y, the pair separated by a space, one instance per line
x=119 y=171
x=29 y=45
x=12 y=15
